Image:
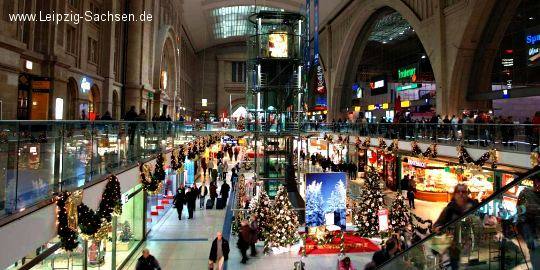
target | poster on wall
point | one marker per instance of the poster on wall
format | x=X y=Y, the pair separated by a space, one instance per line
x=326 y=195
x=277 y=45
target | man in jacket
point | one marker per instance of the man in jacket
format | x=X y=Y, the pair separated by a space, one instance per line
x=254 y=226
x=203 y=191
x=219 y=252
x=213 y=192
x=147 y=262
x=191 y=199
x=244 y=239
x=224 y=192
x=179 y=201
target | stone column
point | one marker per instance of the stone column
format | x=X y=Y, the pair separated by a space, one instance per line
x=134 y=54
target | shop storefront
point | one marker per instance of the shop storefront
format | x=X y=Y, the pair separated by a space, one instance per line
x=385 y=164
x=112 y=252
x=435 y=180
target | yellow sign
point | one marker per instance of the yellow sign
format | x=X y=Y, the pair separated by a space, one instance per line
x=405 y=104
x=357 y=108
x=371 y=107
x=385 y=106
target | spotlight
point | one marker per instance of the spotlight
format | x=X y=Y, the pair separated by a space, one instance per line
x=423 y=56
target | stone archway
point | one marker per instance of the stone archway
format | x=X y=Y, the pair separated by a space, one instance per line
x=475 y=58
x=94 y=100
x=72 y=99
x=351 y=50
x=166 y=72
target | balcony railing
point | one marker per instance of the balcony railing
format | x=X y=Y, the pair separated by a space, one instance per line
x=39 y=158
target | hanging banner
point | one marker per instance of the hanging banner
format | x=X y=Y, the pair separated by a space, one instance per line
x=321 y=86
x=307 y=52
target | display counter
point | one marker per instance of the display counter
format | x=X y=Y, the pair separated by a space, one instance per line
x=435 y=181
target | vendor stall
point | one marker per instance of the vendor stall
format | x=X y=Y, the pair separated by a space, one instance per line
x=435 y=181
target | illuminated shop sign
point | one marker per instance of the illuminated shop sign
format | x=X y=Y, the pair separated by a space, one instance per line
x=85 y=85
x=357 y=90
x=277 y=45
x=407 y=73
x=378 y=85
x=532 y=40
x=408 y=87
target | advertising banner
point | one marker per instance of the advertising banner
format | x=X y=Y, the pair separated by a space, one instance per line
x=326 y=195
x=189 y=167
x=532 y=40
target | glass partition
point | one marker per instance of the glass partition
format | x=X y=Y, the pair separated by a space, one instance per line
x=500 y=233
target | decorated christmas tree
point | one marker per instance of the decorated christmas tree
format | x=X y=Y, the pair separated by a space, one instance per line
x=314 y=205
x=261 y=207
x=159 y=172
x=366 y=218
x=284 y=229
x=399 y=216
x=239 y=204
x=126 y=235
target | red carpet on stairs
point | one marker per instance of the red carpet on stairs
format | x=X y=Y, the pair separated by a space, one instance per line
x=353 y=244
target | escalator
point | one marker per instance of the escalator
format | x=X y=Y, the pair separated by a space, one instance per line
x=502 y=232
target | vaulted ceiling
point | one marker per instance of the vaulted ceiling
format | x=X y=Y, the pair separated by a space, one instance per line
x=214 y=22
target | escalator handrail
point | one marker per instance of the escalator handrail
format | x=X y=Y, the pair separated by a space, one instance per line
x=495 y=195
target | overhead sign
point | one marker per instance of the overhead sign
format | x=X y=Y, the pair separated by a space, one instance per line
x=532 y=40
x=408 y=86
x=85 y=85
x=408 y=73
x=378 y=85
x=41 y=83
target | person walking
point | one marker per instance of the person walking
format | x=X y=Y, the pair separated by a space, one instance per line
x=203 y=191
x=210 y=166
x=191 y=198
x=236 y=153
x=219 y=252
x=147 y=261
x=254 y=226
x=213 y=192
x=224 y=192
x=179 y=201
x=244 y=239
x=410 y=197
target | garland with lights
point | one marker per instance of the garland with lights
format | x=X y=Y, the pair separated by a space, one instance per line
x=174 y=160
x=393 y=148
x=535 y=159
x=466 y=159
x=68 y=236
x=367 y=142
x=382 y=143
x=159 y=171
x=431 y=151
x=91 y=224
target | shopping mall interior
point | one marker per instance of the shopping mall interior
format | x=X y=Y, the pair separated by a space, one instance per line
x=273 y=134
